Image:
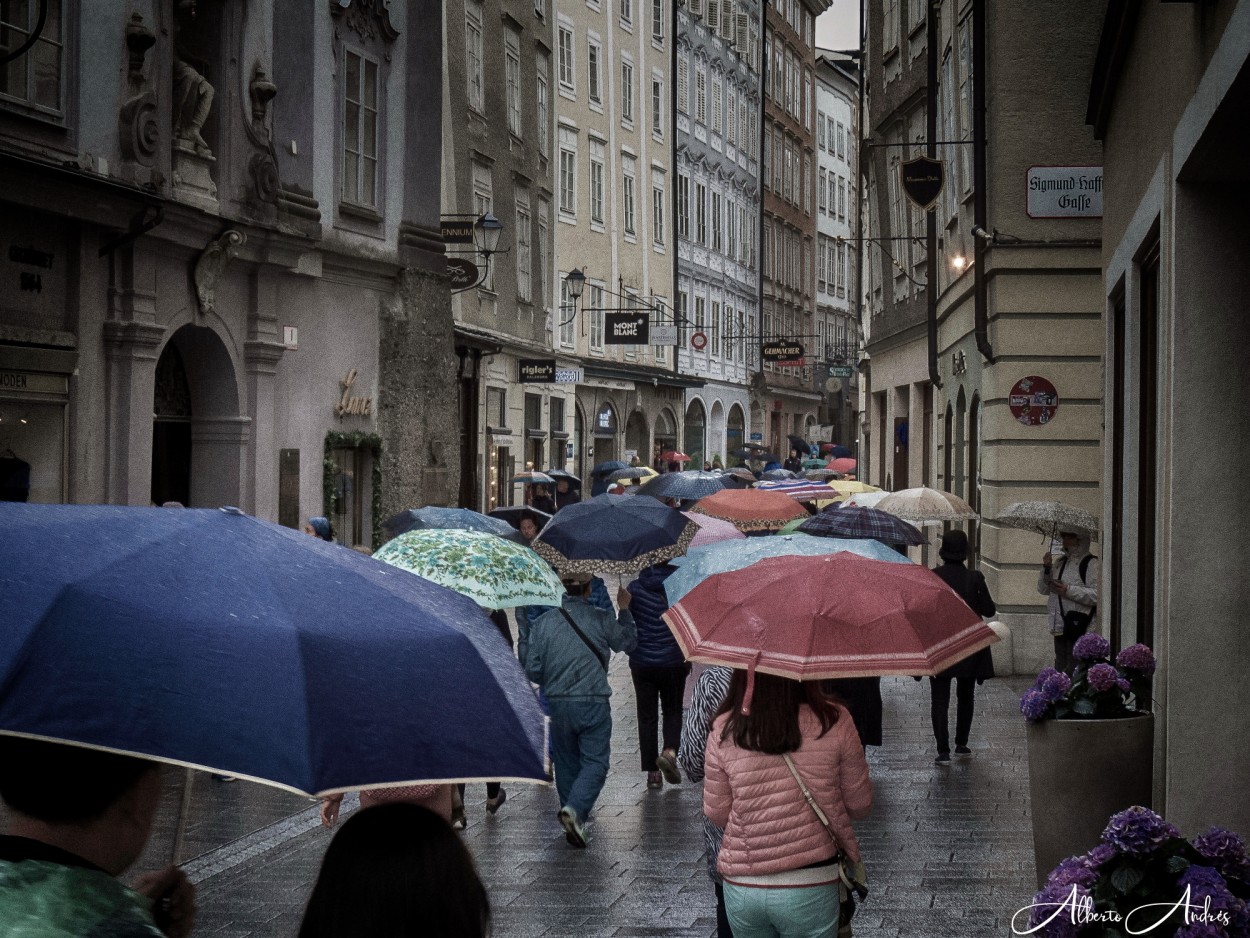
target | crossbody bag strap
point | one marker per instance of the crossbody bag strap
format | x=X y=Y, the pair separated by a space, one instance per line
x=1063 y=566
x=811 y=802
x=603 y=662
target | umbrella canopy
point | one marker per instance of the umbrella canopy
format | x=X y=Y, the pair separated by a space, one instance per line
x=924 y=505
x=864 y=499
x=673 y=455
x=791 y=526
x=751 y=509
x=614 y=534
x=630 y=473
x=712 y=530
x=798 y=443
x=1048 y=518
x=834 y=450
x=632 y=481
x=843 y=488
x=842 y=464
x=558 y=474
x=514 y=514
x=834 y=616
x=821 y=475
x=813 y=464
x=533 y=477
x=494 y=573
x=703 y=562
x=862 y=523
x=801 y=490
x=463 y=519
x=745 y=476
x=602 y=469
x=690 y=485
x=213 y=640
x=776 y=475
x=752 y=453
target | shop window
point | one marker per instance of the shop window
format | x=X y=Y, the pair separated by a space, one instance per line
x=535 y=438
x=352 y=487
x=32 y=446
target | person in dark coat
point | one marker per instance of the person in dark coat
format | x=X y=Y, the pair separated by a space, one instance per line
x=970 y=585
x=659 y=671
x=542 y=500
x=566 y=494
x=862 y=696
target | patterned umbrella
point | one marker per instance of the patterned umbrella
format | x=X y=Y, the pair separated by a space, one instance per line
x=777 y=475
x=842 y=464
x=844 y=488
x=703 y=562
x=1048 y=518
x=533 y=477
x=813 y=464
x=614 y=534
x=862 y=523
x=462 y=519
x=690 y=485
x=821 y=475
x=494 y=573
x=751 y=509
x=801 y=490
x=844 y=616
x=924 y=505
x=741 y=474
x=712 y=530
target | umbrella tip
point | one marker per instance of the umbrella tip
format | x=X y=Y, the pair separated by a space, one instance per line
x=231 y=510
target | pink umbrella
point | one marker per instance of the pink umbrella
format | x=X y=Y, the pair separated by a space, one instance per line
x=843 y=464
x=712 y=530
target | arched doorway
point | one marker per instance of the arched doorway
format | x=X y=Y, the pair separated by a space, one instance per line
x=636 y=436
x=961 y=438
x=665 y=436
x=974 y=474
x=735 y=434
x=695 y=444
x=605 y=430
x=716 y=434
x=579 y=443
x=198 y=434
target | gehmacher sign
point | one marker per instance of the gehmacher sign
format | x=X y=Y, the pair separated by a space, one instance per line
x=1064 y=191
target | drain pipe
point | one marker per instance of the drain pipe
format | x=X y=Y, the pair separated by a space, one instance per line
x=931 y=280
x=980 y=288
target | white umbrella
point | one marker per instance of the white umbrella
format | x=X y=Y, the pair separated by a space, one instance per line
x=1048 y=518
x=864 y=499
x=924 y=505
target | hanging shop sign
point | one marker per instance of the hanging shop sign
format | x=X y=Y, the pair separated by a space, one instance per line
x=1033 y=401
x=462 y=272
x=783 y=353
x=349 y=404
x=457 y=230
x=1064 y=191
x=922 y=180
x=626 y=328
x=605 y=420
x=664 y=334
x=534 y=370
x=841 y=371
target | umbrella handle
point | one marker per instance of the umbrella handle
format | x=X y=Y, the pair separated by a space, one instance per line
x=750 y=691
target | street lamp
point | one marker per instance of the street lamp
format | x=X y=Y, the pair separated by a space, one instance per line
x=486 y=232
x=576 y=280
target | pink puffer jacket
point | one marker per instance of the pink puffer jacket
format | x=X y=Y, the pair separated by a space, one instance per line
x=769 y=828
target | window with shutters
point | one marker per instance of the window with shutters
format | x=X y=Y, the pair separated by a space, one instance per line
x=714 y=339
x=731 y=228
x=742 y=35
x=683 y=86
x=716 y=105
x=700 y=95
x=700 y=213
x=594 y=65
x=731 y=116
x=683 y=206
x=717 y=219
x=713 y=15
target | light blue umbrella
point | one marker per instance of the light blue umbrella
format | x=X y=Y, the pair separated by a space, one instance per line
x=702 y=562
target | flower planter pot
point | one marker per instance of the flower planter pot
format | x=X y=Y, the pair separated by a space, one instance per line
x=1080 y=773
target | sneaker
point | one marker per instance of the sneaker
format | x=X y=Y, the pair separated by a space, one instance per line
x=494 y=804
x=655 y=780
x=667 y=763
x=458 y=822
x=943 y=758
x=963 y=751
x=574 y=832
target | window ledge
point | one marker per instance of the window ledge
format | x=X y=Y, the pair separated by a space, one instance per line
x=566 y=92
x=567 y=218
x=360 y=212
x=597 y=226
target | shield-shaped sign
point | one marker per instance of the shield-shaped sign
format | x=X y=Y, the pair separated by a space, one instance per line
x=463 y=273
x=922 y=180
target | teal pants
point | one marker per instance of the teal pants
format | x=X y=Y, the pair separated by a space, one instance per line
x=787 y=912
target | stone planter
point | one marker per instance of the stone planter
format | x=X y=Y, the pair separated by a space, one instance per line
x=1080 y=773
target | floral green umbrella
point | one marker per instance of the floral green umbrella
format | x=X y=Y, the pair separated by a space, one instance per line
x=493 y=572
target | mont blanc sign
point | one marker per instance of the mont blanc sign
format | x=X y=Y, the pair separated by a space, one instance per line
x=626 y=328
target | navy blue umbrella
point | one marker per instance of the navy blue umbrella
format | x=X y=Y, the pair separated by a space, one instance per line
x=690 y=485
x=614 y=534
x=461 y=519
x=600 y=475
x=558 y=474
x=217 y=641
x=514 y=515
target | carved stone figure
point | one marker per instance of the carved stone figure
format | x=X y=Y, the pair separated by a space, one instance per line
x=193 y=98
x=211 y=265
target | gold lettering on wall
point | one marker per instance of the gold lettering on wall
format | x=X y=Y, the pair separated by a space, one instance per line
x=353 y=406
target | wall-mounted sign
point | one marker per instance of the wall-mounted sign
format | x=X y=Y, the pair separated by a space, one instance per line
x=841 y=371
x=757 y=437
x=462 y=272
x=664 y=334
x=350 y=405
x=457 y=230
x=1033 y=401
x=33 y=381
x=530 y=370
x=1064 y=191
x=570 y=376
x=626 y=328
x=605 y=420
x=698 y=341
x=922 y=180
x=783 y=353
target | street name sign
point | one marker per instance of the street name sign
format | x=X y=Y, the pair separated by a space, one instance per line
x=1064 y=191
x=841 y=371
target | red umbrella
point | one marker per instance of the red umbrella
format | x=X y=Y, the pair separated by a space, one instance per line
x=674 y=456
x=844 y=464
x=828 y=616
x=751 y=509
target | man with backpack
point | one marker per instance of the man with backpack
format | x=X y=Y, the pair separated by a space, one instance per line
x=1069 y=580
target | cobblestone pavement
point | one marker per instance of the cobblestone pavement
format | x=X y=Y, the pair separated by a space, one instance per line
x=948 y=849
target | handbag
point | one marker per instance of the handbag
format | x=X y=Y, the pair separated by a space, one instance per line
x=851 y=875
x=1075 y=622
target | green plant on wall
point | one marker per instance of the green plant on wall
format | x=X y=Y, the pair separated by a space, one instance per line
x=355 y=439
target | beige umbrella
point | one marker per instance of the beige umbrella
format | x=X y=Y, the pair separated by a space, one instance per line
x=926 y=506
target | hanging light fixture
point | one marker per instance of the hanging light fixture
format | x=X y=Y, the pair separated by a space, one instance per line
x=486 y=231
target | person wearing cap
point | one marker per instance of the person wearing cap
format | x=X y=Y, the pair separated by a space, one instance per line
x=1071 y=593
x=567 y=655
x=967 y=674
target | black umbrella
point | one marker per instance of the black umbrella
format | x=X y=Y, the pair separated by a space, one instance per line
x=417 y=519
x=800 y=444
x=514 y=515
x=685 y=486
x=755 y=454
x=558 y=474
x=603 y=468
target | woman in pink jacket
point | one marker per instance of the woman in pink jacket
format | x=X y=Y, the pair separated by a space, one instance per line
x=777 y=859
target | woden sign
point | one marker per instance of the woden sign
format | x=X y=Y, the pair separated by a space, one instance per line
x=626 y=328
x=783 y=352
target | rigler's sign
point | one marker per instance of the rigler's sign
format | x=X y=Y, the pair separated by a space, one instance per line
x=536 y=370
x=1064 y=191
x=628 y=328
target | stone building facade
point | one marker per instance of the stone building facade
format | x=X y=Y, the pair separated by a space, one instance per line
x=226 y=275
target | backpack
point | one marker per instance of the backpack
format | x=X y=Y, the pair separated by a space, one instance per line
x=1081 y=569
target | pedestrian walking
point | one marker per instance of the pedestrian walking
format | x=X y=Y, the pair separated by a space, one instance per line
x=565 y=493
x=793 y=463
x=567 y=654
x=78 y=819
x=710 y=690
x=659 y=671
x=397 y=869
x=541 y=500
x=319 y=527
x=1071 y=593
x=973 y=670
x=780 y=856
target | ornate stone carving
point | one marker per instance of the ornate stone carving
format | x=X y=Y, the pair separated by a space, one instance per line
x=261 y=90
x=211 y=264
x=139 y=39
x=369 y=19
x=193 y=98
x=138 y=129
x=265 y=182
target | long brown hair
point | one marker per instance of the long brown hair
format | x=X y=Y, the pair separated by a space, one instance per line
x=772 y=726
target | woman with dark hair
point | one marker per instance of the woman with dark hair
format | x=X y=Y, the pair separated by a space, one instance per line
x=778 y=859
x=397 y=869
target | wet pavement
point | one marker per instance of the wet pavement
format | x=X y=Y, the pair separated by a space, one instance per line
x=948 y=849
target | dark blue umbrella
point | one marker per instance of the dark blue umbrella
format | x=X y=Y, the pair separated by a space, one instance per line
x=217 y=641
x=558 y=474
x=600 y=475
x=514 y=514
x=690 y=485
x=854 y=522
x=838 y=451
x=461 y=519
x=614 y=534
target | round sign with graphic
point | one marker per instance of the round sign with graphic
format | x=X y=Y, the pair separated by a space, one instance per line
x=698 y=341
x=1033 y=401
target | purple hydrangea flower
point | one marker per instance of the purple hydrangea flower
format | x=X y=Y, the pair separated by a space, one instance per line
x=1045 y=904
x=1100 y=855
x=1208 y=890
x=1055 y=686
x=1102 y=677
x=1205 y=880
x=1138 y=830
x=1124 y=685
x=1074 y=871
x=1034 y=705
x=1090 y=647
x=1043 y=676
x=1201 y=930
x=1137 y=658
x=1227 y=850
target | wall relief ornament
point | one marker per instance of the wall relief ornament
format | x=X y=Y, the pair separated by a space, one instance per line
x=139 y=130
x=212 y=264
x=139 y=39
x=369 y=19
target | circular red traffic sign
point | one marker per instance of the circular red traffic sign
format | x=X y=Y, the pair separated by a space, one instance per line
x=698 y=341
x=1033 y=401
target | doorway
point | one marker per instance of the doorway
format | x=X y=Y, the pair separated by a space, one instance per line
x=171 y=431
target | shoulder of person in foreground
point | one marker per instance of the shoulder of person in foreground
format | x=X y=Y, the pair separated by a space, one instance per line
x=709 y=693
